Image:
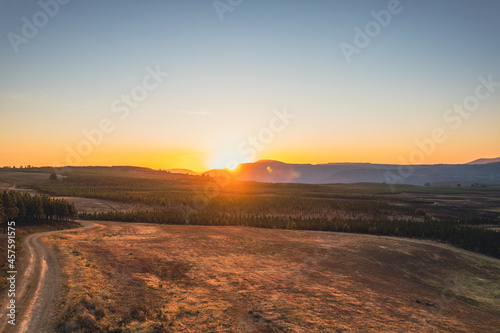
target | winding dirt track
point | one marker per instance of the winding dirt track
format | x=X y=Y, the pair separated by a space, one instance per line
x=38 y=285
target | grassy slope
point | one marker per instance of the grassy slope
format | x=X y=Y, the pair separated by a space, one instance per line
x=146 y=278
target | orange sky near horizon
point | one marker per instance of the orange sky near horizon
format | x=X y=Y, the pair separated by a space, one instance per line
x=172 y=85
x=199 y=161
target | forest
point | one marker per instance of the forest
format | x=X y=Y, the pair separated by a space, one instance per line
x=26 y=209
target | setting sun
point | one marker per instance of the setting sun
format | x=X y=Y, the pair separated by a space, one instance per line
x=224 y=160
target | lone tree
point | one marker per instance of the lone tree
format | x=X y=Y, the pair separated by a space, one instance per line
x=53 y=176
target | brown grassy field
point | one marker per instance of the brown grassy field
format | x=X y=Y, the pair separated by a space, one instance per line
x=166 y=278
x=23 y=179
x=88 y=205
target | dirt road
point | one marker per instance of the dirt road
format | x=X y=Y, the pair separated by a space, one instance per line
x=37 y=287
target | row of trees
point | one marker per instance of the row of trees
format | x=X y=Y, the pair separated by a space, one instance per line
x=22 y=207
x=450 y=231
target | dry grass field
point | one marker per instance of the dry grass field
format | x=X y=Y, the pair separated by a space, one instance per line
x=88 y=205
x=23 y=179
x=166 y=278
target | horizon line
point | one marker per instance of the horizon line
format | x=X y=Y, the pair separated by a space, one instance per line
x=30 y=166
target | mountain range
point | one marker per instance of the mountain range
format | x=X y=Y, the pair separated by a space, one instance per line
x=269 y=171
x=485 y=161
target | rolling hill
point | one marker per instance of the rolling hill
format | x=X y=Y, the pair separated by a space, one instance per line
x=279 y=172
x=485 y=161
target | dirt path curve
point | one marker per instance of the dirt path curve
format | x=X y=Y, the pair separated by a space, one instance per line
x=38 y=285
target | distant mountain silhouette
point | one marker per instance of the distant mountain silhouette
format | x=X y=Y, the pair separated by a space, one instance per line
x=485 y=161
x=183 y=171
x=279 y=172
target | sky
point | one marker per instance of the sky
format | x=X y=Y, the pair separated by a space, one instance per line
x=202 y=84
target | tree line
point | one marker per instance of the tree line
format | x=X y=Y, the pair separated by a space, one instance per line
x=449 y=231
x=22 y=207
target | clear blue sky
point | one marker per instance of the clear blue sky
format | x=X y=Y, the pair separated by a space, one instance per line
x=226 y=77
